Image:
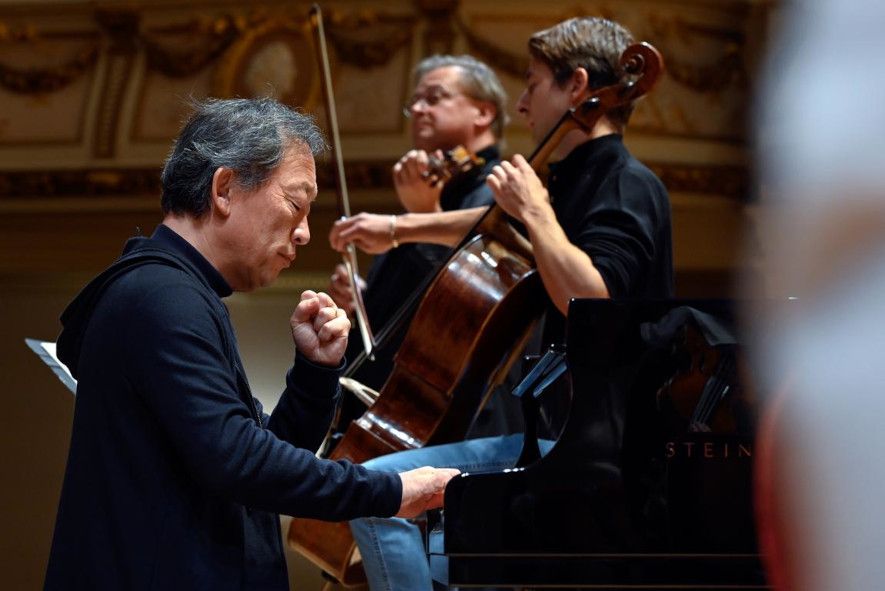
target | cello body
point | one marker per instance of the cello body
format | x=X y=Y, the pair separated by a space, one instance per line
x=465 y=335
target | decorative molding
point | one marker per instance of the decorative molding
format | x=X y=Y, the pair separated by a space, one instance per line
x=499 y=58
x=236 y=40
x=352 y=45
x=277 y=53
x=727 y=180
x=220 y=34
x=45 y=80
x=439 y=34
x=713 y=77
x=122 y=28
x=291 y=39
x=347 y=32
x=146 y=181
x=80 y=183
x=706 y=179
x=708 y=78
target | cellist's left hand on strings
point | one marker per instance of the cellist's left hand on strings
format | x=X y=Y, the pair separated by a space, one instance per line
x=369 y=232
x=517 y=188
x=320 y=328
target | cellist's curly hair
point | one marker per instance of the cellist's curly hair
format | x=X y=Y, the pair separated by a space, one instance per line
x=592 y=43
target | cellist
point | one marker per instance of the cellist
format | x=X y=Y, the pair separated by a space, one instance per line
x=600 y=229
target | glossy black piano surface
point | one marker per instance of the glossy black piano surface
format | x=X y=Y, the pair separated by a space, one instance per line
x=633 y=494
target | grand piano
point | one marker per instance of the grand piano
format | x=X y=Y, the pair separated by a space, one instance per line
x=644 y=489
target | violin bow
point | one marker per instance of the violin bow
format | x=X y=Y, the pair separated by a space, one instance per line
x=349 y=255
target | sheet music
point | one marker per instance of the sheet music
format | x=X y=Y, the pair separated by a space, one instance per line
x=46 y=351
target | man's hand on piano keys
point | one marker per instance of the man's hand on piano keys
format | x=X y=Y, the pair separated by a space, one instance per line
x=423 y=489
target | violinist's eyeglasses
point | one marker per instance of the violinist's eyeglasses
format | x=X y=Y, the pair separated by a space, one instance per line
x=431 y=99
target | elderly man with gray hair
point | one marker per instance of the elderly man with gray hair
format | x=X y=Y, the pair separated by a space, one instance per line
x=175 y=475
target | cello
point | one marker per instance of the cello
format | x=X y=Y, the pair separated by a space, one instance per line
x=468 y=329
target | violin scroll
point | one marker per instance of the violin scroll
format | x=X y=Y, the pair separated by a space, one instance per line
x=456 y=161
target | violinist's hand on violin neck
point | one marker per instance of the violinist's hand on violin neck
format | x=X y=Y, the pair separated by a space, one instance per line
x=423 y=489
x=415 y=191
x=370 y=232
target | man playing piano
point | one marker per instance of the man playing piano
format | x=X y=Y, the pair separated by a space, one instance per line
x=600 y=229
x=175 y=475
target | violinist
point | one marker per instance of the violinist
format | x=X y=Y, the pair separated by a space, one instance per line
x=600 y=229
x=457 y=101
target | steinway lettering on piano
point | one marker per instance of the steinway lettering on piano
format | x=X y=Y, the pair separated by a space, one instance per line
x=708 y=450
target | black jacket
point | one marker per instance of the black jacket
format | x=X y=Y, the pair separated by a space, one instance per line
x=175 y=475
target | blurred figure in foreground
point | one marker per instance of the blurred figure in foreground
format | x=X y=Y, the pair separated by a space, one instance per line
x=822 y=158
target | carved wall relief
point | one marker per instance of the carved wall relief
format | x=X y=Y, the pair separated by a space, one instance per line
x=271 y=58
x=45 y=80
x=128 y=72
x=705 y=91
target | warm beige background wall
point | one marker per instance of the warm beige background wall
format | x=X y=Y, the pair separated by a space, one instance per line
x=91 y=94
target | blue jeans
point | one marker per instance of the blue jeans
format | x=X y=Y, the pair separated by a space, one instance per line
x=392 y=548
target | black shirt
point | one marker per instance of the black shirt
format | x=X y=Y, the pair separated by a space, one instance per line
x=175 y=475
x=616 y=210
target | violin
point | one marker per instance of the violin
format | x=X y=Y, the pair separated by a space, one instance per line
x=458 y=160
